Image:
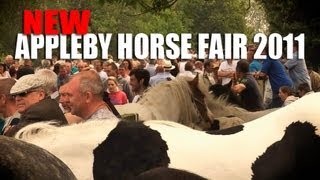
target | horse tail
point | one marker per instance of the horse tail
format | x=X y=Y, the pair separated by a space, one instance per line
x=38 y=128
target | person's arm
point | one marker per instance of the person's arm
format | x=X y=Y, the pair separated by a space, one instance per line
x=222 y=73
x=291 y=63
x=228 y=74
x=238 y=88
x=266 y=66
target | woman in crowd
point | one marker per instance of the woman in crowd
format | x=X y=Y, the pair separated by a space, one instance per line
x=3 y=71
x=117 y=97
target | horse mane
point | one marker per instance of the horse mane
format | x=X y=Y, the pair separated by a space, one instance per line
x=218 y=102
x=39 y=129
x=214 y=102
x=224 y=92
x=44 y=127
x=178 y=89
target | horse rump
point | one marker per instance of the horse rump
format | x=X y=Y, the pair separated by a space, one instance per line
x=164 y=173
x=21 y=160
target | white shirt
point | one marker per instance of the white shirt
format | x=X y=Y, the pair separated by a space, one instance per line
x=159 y=77
x=182 y=64
x=225 y=67
x=187 y=74
x=103 y=75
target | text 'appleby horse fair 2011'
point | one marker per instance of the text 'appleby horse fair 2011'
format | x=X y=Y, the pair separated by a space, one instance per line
x=55 y=29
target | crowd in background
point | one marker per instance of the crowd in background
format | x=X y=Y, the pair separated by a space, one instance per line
x=72 y=91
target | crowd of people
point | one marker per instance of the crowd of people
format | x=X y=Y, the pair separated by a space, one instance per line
x=73 y=91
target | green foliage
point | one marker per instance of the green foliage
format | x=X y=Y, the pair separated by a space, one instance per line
x=134 y=16
x=215 y=16
x=293 y=16
x=146 y=5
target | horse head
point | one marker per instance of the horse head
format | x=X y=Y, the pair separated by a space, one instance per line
x=205 y=121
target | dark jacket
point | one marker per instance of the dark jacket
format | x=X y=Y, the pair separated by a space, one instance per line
x=44 y=110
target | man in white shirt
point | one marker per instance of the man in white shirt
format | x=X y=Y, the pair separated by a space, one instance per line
x=163 y=73
x=226 y=70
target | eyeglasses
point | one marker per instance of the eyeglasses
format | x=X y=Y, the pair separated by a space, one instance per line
x=23 y=94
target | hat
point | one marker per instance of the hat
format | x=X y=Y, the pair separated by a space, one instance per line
x=26 y=83
x=110 y=60
x=167 y=65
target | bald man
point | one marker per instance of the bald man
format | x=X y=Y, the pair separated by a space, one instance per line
x=85 y=93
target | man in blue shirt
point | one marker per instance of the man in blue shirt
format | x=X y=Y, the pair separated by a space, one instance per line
x=277 y=77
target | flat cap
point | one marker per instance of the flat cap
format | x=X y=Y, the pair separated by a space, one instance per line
x=26 y=83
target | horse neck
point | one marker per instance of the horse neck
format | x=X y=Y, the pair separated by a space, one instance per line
x=220 y=108
x=249 y=116
x=170 y=101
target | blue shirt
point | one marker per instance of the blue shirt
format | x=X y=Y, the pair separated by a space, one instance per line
x=255 y=66
x=276 y=73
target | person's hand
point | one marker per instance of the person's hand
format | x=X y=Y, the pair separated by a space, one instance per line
x=238 y=88
x=231 y=74
x=256 y=75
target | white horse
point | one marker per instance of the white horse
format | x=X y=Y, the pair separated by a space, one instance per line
x=220 y=157
x=188 y=102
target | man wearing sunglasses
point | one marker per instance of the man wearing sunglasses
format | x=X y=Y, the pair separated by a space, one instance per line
x=34 y=103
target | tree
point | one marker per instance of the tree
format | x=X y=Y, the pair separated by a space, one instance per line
x=134 y=16
x=146 y=6
x=295 y=16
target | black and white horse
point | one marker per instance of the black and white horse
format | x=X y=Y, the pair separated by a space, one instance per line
x=280 y=145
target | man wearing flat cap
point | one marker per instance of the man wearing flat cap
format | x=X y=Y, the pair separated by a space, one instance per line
x=33 y=103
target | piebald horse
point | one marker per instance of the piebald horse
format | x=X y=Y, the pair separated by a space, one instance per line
x=220 y=157
x=188 y=102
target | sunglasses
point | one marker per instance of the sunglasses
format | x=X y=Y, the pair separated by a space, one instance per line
x=23 y=94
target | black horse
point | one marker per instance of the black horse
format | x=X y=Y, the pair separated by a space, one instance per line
x=225 y=92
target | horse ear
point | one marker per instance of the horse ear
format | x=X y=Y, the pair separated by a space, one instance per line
x=195 y=81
